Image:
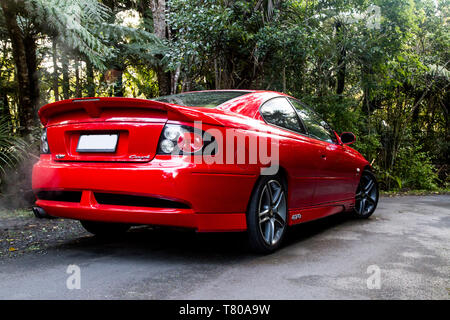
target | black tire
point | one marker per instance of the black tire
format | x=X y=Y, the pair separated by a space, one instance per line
x=367 y=195
x=104 y=229
x=262 y=217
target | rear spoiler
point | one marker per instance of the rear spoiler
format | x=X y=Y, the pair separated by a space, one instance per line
x=93 y=107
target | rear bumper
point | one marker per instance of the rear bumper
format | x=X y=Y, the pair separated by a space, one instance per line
x=187 y=218
x=216 y=199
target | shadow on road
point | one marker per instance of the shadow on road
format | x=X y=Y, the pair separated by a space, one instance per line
x=149 y=242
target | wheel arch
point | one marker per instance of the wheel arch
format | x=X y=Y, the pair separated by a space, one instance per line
x=284 y=176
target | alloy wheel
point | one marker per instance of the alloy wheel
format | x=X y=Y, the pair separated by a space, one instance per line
x=366 y=195
x=272 y=212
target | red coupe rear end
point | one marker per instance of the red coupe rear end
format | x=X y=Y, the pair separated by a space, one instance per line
x=131 y=183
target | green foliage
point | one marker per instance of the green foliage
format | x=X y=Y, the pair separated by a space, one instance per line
x=218 y=42
x=77 y=22
x=369 y=145
x=12 y=149
x=141 y=82
x=413 y=169
x=84 y=26
x=341 y=112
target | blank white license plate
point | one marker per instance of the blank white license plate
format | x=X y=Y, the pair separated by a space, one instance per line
x=97 y=143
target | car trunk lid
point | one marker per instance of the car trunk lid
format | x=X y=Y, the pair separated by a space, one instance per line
x=137 y=124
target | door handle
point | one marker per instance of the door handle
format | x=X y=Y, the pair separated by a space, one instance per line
x=323 y=156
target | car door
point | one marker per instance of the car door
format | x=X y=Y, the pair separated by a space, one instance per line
x=297 y=152
x=333 y=180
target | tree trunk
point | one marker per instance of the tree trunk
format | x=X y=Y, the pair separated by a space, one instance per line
x=341 y=62
x=175 y=78
x=5 y=114
x=55 y=70
x=33 y=75
x=77 y=79
x=65 y=73
x=159 y=25
x=216 y=75
x=23 y=60
x=4 y=103
x=144 y=8
x=90 y=79
x=118 y=84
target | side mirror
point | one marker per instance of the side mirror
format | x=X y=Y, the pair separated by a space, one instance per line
x=348 y=138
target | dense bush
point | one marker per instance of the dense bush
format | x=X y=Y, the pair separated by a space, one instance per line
x=413 y=169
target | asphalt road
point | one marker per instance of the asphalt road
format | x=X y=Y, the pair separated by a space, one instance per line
x=407 y=240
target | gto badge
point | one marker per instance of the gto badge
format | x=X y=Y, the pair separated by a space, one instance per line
x=133 y=156
x=296 y=216
x=60 y=156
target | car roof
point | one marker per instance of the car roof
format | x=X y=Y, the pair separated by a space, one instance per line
x=248 y=104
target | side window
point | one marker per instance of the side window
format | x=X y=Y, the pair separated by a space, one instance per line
x=316 y=127
x=279 y=112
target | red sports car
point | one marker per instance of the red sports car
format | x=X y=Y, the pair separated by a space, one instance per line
x=223 y=160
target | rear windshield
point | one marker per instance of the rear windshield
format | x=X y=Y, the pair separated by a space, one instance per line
x=207 y=99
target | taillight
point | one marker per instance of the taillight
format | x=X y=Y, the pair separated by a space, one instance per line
x=181 y=140
x=190 y=142
x=44 y=142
